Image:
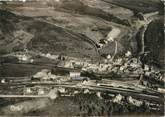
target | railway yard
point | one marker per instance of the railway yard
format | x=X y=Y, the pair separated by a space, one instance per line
x=82 y=58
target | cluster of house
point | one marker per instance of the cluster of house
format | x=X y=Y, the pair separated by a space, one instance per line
x=99 y=67
x=112 y=35
x=24 y=57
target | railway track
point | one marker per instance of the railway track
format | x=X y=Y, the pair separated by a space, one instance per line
x=135 y=92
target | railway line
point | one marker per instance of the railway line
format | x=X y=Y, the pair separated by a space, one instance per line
x=136 y=92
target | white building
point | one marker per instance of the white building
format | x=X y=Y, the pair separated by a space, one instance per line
x=75 y=74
